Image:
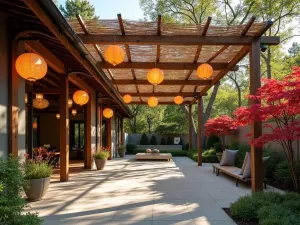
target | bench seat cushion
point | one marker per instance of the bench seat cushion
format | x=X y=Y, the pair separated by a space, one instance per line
x=166 y=156
x=230 y=170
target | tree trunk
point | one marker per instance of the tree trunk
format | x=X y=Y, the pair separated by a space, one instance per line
x=268 y=62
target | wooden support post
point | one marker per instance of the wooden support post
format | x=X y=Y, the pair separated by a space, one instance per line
x=122 y=131
x=29 y=124
x=64 y=128
x=108 y=136
x=13 y=103
x=88 y=135
x=99 y=126
x=190 y=128
x=256 y=128
x=199 y=132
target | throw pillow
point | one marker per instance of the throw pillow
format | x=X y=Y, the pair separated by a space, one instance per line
x=228 y=157
x=247 y=169
x=244 y=163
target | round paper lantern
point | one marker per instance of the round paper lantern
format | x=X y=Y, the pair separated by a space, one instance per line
x=39 y=97
x=70 y=103
x=178 y=100
x=205 y=71
x=34 y=125
x=74 y=112
x=42 y=104
x=155 y=76
x=127 y=98
x=80 y=97
x=57 y=116
x=108 y=113
x=152 y=101
x=31 y=66
x=114 y=54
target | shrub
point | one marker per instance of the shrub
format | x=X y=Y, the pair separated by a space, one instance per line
x=218 y=147
x=211 y=141
x=170 y=141
x=276 y=157
x=186 y=146
x=282 y=174
x=163 y=141
x=35 y=170
x=12 y=205
x=234 y=145
x=101 y=155
x=144 y=140
x=209 y=156
x=209 y=152
x=246 y=208
x=153 y=140
x=130 y=147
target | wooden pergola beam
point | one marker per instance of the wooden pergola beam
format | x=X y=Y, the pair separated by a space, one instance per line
x=52 y=90
x=165 y=82
x=163 y=66
x=159 y=103
x=162 y=94
x=248 y=26
x=176 y=39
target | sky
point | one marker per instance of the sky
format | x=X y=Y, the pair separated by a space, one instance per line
x=108 y=9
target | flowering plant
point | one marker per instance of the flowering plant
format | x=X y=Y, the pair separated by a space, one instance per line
x=38 y=167
x=102 y=153
x=220 y=126
x=277 y=101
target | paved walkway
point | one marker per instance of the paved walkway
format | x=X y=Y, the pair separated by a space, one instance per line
x=144 y=193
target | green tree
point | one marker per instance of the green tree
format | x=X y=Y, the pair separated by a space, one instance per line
x=294 y=50
x=78 y=7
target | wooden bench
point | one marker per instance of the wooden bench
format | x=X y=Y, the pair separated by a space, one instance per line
x=233 y=172
x=153 y=156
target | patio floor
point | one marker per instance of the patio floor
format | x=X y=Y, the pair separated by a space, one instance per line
x=144 y=193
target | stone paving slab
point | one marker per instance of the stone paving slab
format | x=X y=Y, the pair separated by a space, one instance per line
x=141 y=193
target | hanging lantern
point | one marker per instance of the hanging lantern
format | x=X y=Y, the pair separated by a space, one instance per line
x=42 y=104
x=127 y=98
x=74 y=112
x=31 y=66
x=178 y=100
x=155 y=76
x=108 y=113
x=205 y=71
x=39 y=97
x=70 y=103
x=26 y=98
x=114 y=54
x=152 y=101
x=57 y=116
x=80 y=97
x=34 y=125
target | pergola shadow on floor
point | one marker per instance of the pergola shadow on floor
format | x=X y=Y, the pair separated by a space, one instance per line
x=142 y=192
x=178 y=50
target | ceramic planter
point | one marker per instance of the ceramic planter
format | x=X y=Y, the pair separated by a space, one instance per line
x=121 y=153
x=219 y=156
x=100 y=163
x=35 y=189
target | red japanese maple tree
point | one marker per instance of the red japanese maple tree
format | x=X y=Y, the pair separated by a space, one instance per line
x=220 y=126
x=278 y=101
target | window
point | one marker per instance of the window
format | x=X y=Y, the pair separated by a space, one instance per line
x=78 y=135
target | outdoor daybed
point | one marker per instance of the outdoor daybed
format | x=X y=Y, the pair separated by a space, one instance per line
x=153 y=156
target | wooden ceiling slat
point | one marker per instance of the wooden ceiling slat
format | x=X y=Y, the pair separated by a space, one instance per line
x=165 y=82
x=158 y=34
x=248 y=26
x=161 y=94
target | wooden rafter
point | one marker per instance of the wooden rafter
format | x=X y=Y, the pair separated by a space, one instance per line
x=158 y=34
x=163 y=66
x=162 y=94
x=177 y=39
x=248 y=26
x=165 y=82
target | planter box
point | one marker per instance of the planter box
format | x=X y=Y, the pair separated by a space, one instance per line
x=160 y=147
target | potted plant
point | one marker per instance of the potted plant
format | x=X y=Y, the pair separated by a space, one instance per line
x=37 y=174
x=121 y=151
x=100 y=157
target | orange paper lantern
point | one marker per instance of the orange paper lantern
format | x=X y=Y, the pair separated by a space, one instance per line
x=127 y=98
x=57 y=116
x=155 y=76
x=74 y=112
x=80 y=97
x=31 y=66
x=108 y=113
x=40 y=104
x=114 y=54
x=205 y=71
x=178 y=100
x=152 y=101
x=34 y=125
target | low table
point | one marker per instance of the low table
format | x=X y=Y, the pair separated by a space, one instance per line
x=154 y=156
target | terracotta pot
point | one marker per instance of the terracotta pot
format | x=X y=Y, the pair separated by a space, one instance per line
x=100 y=163
x=35 y=189
x=219 y=156
x=121 y=153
